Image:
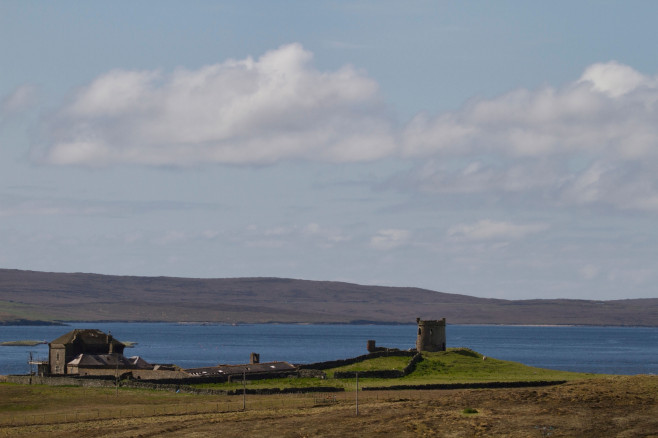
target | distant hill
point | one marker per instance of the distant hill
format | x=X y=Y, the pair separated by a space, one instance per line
x=27 y=296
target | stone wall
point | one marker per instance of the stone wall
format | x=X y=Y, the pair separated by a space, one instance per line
x=342 y=362
x=98 y=382
x=146 y=376
x=207 y=391
x=382 y=374
x=479 y=385
x=411 y=366
x=134 y=373
x=377 y=374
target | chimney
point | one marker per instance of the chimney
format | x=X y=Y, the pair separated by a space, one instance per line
x=254 y=358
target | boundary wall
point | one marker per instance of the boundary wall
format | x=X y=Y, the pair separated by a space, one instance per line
x=342 y=362
x=479 y=385
x=104 y=382
x=126 y=380
x=383 y=374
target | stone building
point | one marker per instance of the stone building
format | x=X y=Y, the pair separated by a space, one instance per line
x=265 y=370
x=431 y=335
x=80 y=341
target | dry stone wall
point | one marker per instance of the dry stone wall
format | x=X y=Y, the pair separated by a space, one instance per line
x=343 y=362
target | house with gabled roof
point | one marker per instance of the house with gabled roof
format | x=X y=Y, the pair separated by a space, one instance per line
x=80 y=341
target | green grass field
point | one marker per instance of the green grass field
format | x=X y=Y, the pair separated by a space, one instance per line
x=457 y=365
x=464 y=365
x=376 y=364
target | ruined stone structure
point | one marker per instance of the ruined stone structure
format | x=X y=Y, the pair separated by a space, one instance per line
x=431 y=335
x=80 y=341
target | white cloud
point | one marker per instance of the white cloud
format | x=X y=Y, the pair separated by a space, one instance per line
x=594 y=140
x=326 y=237
x=490 y=230
x=615 y=79
x=609 y=110
x=240 y=111
x=443 y=176
x=390 y=238
x=15 y=206
x=313 y=234
x=19 y=100
x=589 y=271
x=12 y=206
x=171 y=237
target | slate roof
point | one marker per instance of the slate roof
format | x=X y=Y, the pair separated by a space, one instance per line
x=138 y=362
x=86 y=336
x=233 y=370
x=109 y=360
x=101 y=360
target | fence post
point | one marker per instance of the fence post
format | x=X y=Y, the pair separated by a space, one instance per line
x=357 y=393
x=244 y=390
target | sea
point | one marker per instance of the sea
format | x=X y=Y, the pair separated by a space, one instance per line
x=604 y=350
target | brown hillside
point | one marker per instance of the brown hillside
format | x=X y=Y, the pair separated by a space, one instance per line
x=31 y=295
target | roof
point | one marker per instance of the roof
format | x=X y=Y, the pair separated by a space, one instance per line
x=111 y=360
x=138 y=362
x=232 y=370
x=101 y=360
x=86 y=336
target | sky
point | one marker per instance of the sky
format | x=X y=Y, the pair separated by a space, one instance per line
x=501 y=149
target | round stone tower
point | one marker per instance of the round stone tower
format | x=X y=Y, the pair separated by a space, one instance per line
x=431 y=335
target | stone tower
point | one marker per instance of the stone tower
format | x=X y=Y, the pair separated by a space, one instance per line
x=431 y=335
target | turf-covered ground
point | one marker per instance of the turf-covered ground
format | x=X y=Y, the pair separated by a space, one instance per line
x=601 y=407
x=457 y=365
x=587 y=405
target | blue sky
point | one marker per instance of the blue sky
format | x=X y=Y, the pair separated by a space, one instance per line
x=498 y=149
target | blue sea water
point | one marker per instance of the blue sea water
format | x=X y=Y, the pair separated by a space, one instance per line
x=609 y=350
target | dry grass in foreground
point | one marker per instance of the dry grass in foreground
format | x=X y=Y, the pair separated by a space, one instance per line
x=612 y=406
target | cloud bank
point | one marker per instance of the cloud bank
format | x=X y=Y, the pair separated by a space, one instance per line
x=610 y=110
x=238 y=112
x=390 y=238
x=593 y=140
x=492 y=230
x=18 y=101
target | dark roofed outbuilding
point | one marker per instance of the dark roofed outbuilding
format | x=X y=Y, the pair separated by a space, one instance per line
x=271 y=369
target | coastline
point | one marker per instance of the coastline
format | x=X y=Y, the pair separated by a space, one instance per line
x=36 y=323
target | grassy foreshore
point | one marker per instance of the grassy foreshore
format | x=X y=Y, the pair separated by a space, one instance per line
x=24 y=343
